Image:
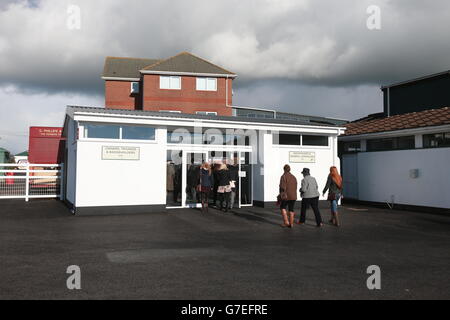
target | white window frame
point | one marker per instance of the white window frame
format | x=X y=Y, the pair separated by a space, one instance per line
x=132 y=88
x=83 y=128
x=206 y=88
x=172 y=111
x=207 y=113
x=171 y=82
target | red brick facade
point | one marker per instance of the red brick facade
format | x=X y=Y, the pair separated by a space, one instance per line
x=118 y=96
x=187 y=99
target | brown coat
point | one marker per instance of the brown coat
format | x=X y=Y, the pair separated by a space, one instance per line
x=288 y=183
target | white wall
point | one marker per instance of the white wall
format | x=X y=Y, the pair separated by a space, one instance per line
x=121 y=182
x=385 y=174
x=71 y=164
x=276 y=156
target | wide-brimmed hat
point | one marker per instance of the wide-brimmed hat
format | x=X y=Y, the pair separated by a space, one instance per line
x=305 y=171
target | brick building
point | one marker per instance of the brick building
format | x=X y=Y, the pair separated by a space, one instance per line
x=183 y=83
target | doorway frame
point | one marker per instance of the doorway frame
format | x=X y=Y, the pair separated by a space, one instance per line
x=184 y=178
x=187 y=149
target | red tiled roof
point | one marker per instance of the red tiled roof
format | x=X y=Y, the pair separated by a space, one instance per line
x=428 y=118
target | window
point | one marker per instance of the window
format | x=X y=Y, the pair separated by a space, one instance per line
x=107 y=131
x=436 y=140
x=206 y=84
x=352 y=146
x=386 y=144
x=138 y=133
x=207 y=113
x=287 y=139
x=315 y=141
x=214 y=136
x=170 y=82
x=172 y=111
x=101 y=131
x=135 y=87
x=292 y=139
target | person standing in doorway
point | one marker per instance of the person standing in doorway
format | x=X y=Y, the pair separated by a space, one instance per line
x=215 y=169
x=206 y=184
x=334 y=188
x=234 y=176
x=224 y=187
x=310 y=197
x=288 y=196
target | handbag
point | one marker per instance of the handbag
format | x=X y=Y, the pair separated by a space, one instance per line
x=331 y=196
x=278 y=201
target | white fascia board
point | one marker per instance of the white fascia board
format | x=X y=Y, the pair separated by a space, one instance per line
x=121 y=79
x=173 y=73
x=169 y=122
x=396 y=133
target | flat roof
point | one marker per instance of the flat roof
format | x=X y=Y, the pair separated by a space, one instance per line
x=174 y=115
x=416 y=79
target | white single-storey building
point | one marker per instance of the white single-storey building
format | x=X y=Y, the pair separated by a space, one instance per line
x=120 y=161
x=400 y=161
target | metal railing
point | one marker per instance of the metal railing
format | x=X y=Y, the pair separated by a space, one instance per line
x=31 y=181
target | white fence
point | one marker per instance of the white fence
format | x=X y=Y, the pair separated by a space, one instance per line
x=31 y=181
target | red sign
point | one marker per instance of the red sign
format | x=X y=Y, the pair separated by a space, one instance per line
x=45 y=132
x=46 y=145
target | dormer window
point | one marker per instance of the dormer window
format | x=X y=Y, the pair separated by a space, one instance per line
x=206 y=84
x=135 y=87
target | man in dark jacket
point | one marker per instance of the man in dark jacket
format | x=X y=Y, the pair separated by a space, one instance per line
x=288 y=194
x=310 y=197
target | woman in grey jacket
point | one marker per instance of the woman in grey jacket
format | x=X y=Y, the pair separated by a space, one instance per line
x=334 y=188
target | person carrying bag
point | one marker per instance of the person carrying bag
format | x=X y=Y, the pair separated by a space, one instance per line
x=287 y=196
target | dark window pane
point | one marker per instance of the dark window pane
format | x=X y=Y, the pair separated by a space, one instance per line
x=380 y=144
x=386 y=144
x=102 y=131
x=138 y=133
x=352 y=146
x=179 y=137
x=287 y=139
x=406 y=142
x=315 y=140
x=436 y=140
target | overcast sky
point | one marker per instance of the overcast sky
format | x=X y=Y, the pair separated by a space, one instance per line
x=312 y=57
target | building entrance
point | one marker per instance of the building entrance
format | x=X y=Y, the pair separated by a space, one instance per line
x=183 y=170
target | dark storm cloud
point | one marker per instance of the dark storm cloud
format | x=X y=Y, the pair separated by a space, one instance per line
x=305 y=56
x=320 y=43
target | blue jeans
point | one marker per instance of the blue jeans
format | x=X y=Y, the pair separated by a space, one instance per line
x=334 y=203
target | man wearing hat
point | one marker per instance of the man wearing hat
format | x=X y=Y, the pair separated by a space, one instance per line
x=310 y=197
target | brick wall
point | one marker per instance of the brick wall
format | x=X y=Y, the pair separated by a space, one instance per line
x=188 y=99
x=118 y=96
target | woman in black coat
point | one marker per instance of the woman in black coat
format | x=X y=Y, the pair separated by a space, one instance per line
x=224 y=186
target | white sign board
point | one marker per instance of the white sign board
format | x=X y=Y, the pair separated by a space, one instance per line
x=120 y=153
x=302 y=157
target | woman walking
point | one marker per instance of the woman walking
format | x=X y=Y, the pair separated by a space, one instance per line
x=288 y=196
x=224 y=187
x=206 y=184
x=334 y=188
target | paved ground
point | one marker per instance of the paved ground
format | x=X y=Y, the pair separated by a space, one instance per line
x=240 y=255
